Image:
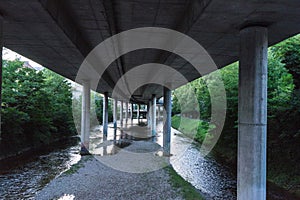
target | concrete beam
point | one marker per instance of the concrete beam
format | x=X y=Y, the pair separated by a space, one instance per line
x=252 y=129
x=61 y=14
x=153 y=117
x=167 y=123
x=105 y=114
x=85 y=118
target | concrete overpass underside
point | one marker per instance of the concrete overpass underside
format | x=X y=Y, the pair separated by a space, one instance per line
x=59 y=34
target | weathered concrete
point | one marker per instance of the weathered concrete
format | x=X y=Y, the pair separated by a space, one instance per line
x=105 y=113
x=71 y=29
x=153 y=117
x=252 y=130
x=167 y=123
x=85 y=117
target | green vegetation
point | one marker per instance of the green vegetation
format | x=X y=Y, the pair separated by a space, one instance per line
x=188 y=191
x=74 y=168
x=283 y=112
x=96 y=109
x=36 y=106
x=193 y=128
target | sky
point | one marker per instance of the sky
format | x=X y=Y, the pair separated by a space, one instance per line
x=11 y=55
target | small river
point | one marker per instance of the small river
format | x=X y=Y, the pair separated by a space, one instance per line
x=27 y=175
x=214 y=179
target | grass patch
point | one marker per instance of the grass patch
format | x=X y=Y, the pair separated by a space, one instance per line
x=74 y=168
x=193 y=128
x=188 y=191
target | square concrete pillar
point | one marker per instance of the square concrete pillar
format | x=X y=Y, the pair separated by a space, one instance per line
x=85 y=118
x=252 y=128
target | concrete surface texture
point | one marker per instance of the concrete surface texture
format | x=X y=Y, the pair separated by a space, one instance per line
x=60 y=34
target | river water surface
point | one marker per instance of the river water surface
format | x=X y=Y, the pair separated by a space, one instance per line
x=24 y=179
x=212 y=178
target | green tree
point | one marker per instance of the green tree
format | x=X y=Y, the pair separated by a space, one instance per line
x=36 y=104
x=288 y=52
x=59 y=90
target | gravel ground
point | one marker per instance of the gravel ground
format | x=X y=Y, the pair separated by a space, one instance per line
x=94 y=180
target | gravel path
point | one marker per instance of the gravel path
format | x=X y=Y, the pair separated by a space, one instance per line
x=94 y=180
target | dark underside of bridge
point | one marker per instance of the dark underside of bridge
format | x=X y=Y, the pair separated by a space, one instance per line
x=59 y=34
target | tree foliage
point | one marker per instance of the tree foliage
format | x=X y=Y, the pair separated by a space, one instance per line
x=283 y=110
x=36 y=105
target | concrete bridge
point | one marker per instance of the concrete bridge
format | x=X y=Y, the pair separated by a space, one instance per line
x=60 y=34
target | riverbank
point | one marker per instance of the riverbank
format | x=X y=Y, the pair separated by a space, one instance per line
x=226 y=155
x=12 y=150
x=18 y=156
x=94 y=179
x=22 y=176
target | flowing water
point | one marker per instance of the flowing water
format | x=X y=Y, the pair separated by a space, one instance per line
x=26 y=176
x=212 y=178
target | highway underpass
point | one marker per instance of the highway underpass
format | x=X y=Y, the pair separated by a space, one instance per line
x=60 y=35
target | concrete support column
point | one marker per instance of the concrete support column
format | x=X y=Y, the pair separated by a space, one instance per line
x=121 y=113
x=1 y=49
x=149 y=113
x=115 y=116
x=158 y=112
x=85 y=118
x=105 y=114
x=252 y=131
x=131 y=113
x=138 y=112
x=126 y=112
x=153 y=117
x=167 y=124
